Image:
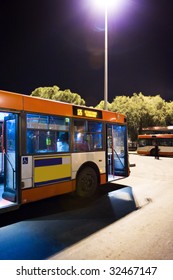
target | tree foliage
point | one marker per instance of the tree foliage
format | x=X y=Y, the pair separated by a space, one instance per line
x=101 y=105
x=55 y=93
x=142 y=111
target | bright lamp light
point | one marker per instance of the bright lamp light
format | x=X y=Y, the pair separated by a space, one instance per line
x=109 y=4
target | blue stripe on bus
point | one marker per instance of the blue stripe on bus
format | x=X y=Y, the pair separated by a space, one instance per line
x=51 y=181
x=47 y=162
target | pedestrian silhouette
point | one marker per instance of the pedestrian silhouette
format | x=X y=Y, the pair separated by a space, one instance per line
x=156 y=152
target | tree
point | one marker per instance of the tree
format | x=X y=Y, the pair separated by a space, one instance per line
x=101 y=105
x=126 y=106
x=169 y=113
x=143 y=111
x=55 y=93
x=45 y=92
x=157 y=110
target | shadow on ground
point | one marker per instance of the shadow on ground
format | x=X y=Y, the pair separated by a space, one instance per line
x=39 y=230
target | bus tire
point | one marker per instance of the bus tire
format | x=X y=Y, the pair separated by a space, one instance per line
x=86 y=182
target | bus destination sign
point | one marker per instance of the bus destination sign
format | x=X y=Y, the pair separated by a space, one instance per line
x=86 y=112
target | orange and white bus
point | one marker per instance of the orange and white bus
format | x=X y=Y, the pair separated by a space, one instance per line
x=160 y=136
x=50 y=148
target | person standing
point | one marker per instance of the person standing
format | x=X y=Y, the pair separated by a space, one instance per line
x=156 y=152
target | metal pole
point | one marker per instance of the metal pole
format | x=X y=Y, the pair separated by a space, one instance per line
x=106 y=60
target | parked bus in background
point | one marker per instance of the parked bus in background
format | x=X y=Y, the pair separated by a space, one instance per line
x=50 y=148
x=156 y=136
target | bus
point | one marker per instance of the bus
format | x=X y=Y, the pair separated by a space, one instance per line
x=49 y=148
x=152 y=136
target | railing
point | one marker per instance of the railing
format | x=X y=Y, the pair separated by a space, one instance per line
x=13 y=170
x=119 y=158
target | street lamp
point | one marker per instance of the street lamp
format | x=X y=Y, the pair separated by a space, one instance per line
x=104 y=4
x=107 y=5
x=106 y=59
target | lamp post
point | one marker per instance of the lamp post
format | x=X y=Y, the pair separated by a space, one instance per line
x=107 y=5
x=106 y=59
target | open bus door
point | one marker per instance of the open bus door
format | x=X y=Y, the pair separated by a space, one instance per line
x=117 y=156
x=1 y=152
x=11 y=150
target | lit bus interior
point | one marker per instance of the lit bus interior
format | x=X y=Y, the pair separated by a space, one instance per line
x=3 y=202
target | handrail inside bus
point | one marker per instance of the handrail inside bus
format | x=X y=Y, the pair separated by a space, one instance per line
x=118 y=157
x=5 y=154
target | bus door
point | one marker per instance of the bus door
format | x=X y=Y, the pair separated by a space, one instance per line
x=117 y=157
x=11 y=158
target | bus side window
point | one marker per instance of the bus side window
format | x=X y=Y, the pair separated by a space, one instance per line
x=47 y=134
x=97 y=141
x=63 y=142
x=95 y=135
x=31 y=142
x=87 y=136
x=80 y=143
x=41 y=141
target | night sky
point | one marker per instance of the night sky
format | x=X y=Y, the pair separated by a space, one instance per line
x=61 y=42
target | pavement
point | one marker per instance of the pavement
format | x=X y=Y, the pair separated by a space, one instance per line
x=144 y=234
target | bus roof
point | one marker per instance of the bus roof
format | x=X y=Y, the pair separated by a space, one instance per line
x=10 y=101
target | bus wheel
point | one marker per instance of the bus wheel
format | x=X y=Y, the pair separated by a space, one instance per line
x=87 y=182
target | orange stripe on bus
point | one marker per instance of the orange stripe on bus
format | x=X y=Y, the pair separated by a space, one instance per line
x=40 y=105
x=38 y=193
x=10 y=100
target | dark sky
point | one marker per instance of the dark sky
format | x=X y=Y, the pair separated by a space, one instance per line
x=61 y=42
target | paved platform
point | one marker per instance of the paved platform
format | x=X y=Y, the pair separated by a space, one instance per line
x=145 y=234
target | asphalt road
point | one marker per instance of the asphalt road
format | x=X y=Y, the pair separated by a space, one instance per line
x=130 y=219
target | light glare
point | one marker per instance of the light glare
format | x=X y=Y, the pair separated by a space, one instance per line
x=109 y=4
